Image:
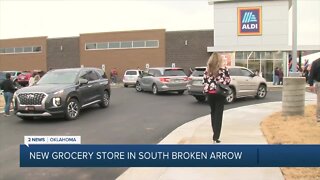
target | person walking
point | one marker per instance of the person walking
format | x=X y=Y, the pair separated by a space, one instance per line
x=216 y=72
x=314 y=78
x=8 y=90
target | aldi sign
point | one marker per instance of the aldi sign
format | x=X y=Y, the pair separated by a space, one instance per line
x=249 y=21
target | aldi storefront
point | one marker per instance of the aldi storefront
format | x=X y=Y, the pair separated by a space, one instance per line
x=252 y=34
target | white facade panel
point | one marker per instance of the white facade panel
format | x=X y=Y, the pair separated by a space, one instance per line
x=275 y=13
x=249 y=40
x=226 y=41
x=275 y=28
x=269 y=40
x=274 y=24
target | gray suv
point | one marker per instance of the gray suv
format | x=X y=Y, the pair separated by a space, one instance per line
x=243 y=83
x=162 y=79
x=62 y=93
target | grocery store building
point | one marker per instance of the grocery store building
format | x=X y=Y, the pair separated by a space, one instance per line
x=254 y=34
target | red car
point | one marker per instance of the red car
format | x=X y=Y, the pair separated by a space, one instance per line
x=23 y=78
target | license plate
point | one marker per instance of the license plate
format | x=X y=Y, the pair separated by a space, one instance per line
x=30 y=108
x=178 y=80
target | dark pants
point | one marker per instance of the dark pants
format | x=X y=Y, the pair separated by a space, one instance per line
x=216 y=103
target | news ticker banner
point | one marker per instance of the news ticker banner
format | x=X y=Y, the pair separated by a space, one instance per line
x=87 y=155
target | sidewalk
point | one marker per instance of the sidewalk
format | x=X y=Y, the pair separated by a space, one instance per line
x=240 y=126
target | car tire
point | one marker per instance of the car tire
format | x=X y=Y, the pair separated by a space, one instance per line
x=105 y=100
x=155 y=89
x=231 y=97
x=72 y=109
x=181 y=92
x=125 y=85
x=200 y=98
x=262 y=91
x=26 y=118
x=138 y=87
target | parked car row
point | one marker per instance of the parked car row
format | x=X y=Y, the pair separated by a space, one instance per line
x=64 y=92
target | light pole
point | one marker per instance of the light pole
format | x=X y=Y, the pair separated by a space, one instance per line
x=293 y=92
x=294 y=72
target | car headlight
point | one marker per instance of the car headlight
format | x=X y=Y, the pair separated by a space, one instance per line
x=56 y=101
x=58 y=92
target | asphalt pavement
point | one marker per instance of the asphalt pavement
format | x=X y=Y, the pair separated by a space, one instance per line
x=132 y=118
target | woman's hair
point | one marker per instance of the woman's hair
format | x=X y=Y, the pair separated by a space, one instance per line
x=214 y=63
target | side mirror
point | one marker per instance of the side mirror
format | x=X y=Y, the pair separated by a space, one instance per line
x=83 y=81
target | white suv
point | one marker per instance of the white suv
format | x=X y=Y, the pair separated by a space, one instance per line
x=130 y=77
x=243 y=83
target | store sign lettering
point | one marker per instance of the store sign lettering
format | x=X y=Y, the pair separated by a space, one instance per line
x=249 y=21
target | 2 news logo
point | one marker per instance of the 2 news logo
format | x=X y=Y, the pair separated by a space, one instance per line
x=249 y=21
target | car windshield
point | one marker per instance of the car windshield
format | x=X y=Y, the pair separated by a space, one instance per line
x=174 y=72
x=198 y=72
x=131 y=73
x=59 y=77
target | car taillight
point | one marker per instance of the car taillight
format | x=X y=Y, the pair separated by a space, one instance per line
x=165 y=80
x=187 y=79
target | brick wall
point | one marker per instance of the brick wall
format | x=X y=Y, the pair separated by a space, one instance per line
x=188 y=48
x=63 y=53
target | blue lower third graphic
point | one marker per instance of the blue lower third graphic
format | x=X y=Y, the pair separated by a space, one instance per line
x=170 y=155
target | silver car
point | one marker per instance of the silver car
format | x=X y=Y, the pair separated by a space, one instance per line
x=163 y=79
x=130 y=77
x=243 y=83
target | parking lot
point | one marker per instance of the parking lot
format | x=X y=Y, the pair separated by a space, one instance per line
x=132 y=118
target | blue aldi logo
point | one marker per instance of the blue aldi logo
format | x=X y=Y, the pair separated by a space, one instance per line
x=249 y=21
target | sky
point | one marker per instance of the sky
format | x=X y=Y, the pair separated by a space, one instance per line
x=65 y=18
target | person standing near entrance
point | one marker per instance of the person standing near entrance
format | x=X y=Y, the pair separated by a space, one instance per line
x=8 y=90
x=314 y=78
x=216 y=72
x=276 y=76
x=280 y=77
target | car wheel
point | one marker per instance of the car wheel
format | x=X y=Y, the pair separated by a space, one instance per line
x=26 y=118
x=181 y=92
x=125 y=85
x=72 y=109
x=231 y=97
x=155 y=89
x=262 y=92
x=200 y=98
x=138 y=87
x=105 y=100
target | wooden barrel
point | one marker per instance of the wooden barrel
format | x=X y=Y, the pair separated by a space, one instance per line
x=293 y=96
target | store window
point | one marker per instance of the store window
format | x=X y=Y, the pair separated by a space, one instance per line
x=114 y=45
x=126 y=44
x=264 y=62
x=91 y=46
x=138 y=44
x=102 y=45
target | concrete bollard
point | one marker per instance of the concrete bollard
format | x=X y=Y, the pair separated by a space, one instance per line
x=293 y=96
